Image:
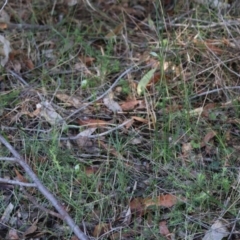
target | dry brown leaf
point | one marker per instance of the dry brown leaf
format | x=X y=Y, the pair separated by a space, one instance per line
x=69 y=100
x=91 y=170
x=100 y=229
x=139 y=119
x=93 y=123
x=209 y=45
x=117 y=30
x=186 y=148
x=163 y=229
x=130 y=105
x=31 y=229
x=88 y=61
x=207 y=108
x=137 y=206
x=155 y=78
x=167 y=200
x=20 y=177
x=3 y=25
x=208 y=137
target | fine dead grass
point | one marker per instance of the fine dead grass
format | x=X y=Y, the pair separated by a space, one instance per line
x=183 y=140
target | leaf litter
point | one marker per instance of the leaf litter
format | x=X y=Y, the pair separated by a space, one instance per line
x=174 y=138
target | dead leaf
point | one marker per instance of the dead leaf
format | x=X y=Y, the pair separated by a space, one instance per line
x=5 y=49
x=163 y=229
x=49 y=113
x=93 y=123
x=83 y=140
x=31 y=229
x=69 y=100
x=20 y=177
x=3 y=25
x=111 y=104
x=155 y=78
x=71 y=3
x=130 y=105
x=207 y=108
x=13 y=235
x=115 y=32
x=167 y=200
x=100 y=229
x=137 y=206
x=89 y=171
x=7 y=213
x=218 y=231
x=139 y=119
x=88 y=61
x=208 y=137
x=186 y=148
x=4 y=16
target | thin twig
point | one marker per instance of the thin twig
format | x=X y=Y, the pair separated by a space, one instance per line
x=8 y=159
x=66 y=217
x=26 y=26
x=213 y=91
x=97 y=135
x=3 y=6
x=13 y=182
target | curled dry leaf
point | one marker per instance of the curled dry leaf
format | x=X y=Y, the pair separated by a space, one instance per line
x=131 y=105
x=5 y=49
x=208 y=137
x=139 y=119
x=69 y=100
x=93 y=123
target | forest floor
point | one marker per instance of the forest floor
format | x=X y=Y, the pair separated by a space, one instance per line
x=128 y=114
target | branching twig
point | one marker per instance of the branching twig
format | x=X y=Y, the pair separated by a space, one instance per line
x=45 y=191
x=13 y=182
x=97 y=135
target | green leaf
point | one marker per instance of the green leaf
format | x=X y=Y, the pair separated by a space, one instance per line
x=144 y=81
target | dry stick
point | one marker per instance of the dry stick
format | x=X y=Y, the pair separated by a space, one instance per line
x=45 y=191
x=213 y=91
x=97 y=135
x=13 y=182
x=8 y=159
